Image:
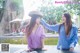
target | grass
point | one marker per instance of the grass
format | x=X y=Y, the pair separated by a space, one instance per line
x=51 y=41
x=47 y=41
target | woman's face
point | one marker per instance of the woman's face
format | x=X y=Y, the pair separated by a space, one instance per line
x=38 y=20
x=63 y=19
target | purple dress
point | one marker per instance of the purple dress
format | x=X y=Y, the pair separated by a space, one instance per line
x=34 y=39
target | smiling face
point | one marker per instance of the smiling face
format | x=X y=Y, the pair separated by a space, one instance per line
x=35 y=19
x=66 y=19
x=63 y=19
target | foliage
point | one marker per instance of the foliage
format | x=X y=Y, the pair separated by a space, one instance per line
x=1 y=9
x=47 y=41
x=1 y=3
x=19 y=2
x=17 y=5
x=74 y=7
x=52 y=13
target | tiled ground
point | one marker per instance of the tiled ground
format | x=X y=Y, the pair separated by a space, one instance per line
x=50 y=49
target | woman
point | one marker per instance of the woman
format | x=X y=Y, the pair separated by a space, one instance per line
x=67 y=33
x=35 y=32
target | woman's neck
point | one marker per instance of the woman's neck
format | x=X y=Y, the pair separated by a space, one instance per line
x=65 y=24
x=36 y=25
x=35 y=28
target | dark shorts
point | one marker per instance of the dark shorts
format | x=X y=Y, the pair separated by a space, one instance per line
x=39 y=50
x=63 y=49
x=66 y=51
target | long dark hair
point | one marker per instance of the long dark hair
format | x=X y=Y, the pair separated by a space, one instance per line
x=32 y=23
x=68 y=23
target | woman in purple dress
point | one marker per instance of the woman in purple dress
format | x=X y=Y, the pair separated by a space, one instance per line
x=35 y=32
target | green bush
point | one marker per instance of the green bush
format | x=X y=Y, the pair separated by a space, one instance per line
x=48 y=41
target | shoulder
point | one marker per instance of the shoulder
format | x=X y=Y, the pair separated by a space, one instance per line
x=74 y=27
x=60 y=25
x=56 y=25
x=41 y=27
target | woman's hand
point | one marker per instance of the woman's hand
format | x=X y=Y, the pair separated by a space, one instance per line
x=71 y=49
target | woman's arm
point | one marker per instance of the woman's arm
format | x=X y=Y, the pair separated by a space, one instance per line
x=74 y=39
x=42 y=36
x=50 y=27
x=42 y=41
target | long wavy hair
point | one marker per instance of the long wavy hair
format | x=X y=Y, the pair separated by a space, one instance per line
x=32 y=23
x=68 y=23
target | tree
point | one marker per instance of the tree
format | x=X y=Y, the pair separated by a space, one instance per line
x=52 y=13
x=18 y=6
x=1 y=9
x=12 y=10
x=74 y=8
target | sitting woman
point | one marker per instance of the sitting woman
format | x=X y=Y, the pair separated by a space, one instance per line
x=68 y=33
x=35 y=32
